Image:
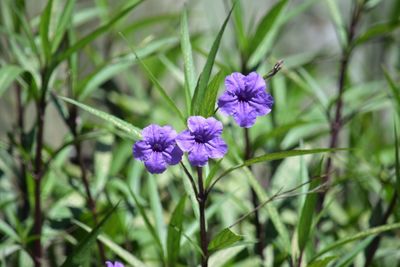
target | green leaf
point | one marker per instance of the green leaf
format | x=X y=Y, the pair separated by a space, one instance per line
x=306 y=216
x=376 y=31
x=62 y=24
x=156 y=208
x=267 y=22
x=395 y=89
x=147 y=222
x=224 y=239
x=93 y=35
x=338 y=21
x=82 y=250
x=123 y=125
x=160 y=89
x=198 y=97
x=278 y=156
x=360 y=235
x=210 y=96
x=44 y=30
x=266 y=33
x=397 y=158
x=8 y=74
x=322 y=263
x=114 y=247
x=175 y=232
x=240 y=31
x=186 y=46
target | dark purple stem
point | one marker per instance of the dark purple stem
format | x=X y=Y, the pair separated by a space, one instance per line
x=259 y=246
x=337 y=123
x=38 y=172
x=202 y=199
x=25 y=207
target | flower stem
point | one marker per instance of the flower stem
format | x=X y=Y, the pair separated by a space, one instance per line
x=202 y=199
x=259 y=246
x=337 y=123
x=38 y=171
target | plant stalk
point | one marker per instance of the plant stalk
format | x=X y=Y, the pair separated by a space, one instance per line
x=38 y=171
x=337 y=123
x=202 y=199
x=260 y=244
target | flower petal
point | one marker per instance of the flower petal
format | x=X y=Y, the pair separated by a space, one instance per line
x=262 y=103
x=254 y=82
x=216 y=148
x=235 y=82
x=185 y=140
x=156 y=163
x=213 y=128
x=151 y=133
x=227 y=103
x=245 y=115
x=196 y=124
x=173 y=154
x=141 y=150
x=198 y=156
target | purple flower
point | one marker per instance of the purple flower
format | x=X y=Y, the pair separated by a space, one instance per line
x=202 y=140
x=245 y=98
x=158 y=148
x=115 y=264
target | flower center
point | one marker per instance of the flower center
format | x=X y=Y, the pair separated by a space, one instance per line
x=199 y=138
x=243 y=96
x=157 y=147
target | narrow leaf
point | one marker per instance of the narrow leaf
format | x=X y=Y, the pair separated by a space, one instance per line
x=186 y=46
x=90 y=37
x=224 y=239
x=210 y=96
x=62 y=24
x=198 y=97
x=322 y=263
x=8 y=74
x=160 y=89
x=175 y=232
x=363 y=234
x=266 y=33
x=147 y=222
x=82 y=250
x=44 y=30
x=375 y=31
x=114 y=247
x=123 y=125
x=306 y=216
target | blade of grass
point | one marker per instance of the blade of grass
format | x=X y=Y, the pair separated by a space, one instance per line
x=198 y=97
x=8 y=74
x=266 y=33
x=63 y=23
x=157 y=85
x=360 y=235
x=156 y=208
x=123 y=125
x=44 y=30
x=114 y=247
x=149 y=226
x=93 y=35
x=210 y=96
x=186 y=46
x=82 y=250
x=175 y=232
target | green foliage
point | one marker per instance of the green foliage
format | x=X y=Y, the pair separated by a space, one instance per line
x=224 y=239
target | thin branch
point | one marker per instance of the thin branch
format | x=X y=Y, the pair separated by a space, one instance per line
x=190 y=178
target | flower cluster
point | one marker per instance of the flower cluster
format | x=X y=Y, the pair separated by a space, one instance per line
x=245 y=99
x=115 y=264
